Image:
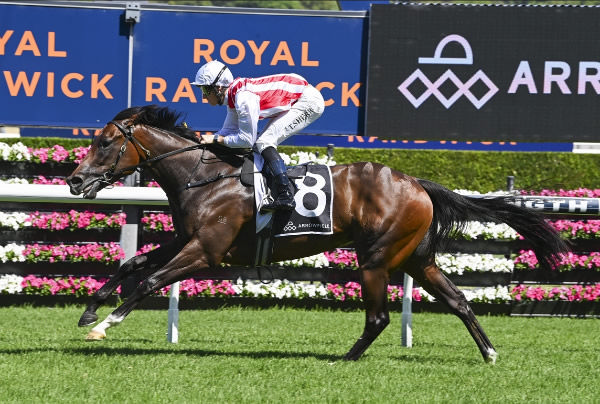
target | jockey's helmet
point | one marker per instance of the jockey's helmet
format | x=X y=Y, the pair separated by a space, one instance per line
x=213 y=73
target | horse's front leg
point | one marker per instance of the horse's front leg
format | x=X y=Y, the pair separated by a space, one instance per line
x=189 y=260
x=145 y=262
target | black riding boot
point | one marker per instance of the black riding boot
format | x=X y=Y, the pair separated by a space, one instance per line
x=283 y=198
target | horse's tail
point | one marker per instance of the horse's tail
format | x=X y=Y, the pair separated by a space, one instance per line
x=452 y=211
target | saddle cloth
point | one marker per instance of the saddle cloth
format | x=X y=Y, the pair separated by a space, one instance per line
x=313 y=197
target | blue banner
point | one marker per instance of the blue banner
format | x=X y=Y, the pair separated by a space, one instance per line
x=326 y=51
x=61 y=66
x=67 y=65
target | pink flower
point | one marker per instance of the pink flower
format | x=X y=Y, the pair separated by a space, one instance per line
x=59 y=153
x=342 y=257
x=79 y=153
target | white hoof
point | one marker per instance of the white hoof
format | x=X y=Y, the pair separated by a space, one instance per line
x=95 y=336
x=491 y=356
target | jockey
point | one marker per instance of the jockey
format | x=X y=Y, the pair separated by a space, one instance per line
x=287 y=99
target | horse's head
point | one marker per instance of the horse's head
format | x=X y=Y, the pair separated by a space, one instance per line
x=114 y=154
x=124 y=144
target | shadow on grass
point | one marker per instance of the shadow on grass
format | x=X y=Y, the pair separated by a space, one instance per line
x=437 y=359
x=258 y=354
x=99 y=351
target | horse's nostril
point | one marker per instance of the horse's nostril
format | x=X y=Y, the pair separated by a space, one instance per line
x=75 y=181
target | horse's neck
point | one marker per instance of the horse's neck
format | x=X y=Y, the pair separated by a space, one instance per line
x=173 y=172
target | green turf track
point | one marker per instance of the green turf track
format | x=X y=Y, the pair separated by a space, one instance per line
x=286 y=355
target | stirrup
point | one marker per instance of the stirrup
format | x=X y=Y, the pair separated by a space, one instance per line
x=284 y=201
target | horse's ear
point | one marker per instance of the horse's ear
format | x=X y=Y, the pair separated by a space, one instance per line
x=129 y=121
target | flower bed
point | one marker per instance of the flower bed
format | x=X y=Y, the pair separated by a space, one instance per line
x=106 y=253
x=57 y=153
x=527 y=260
x=451 y=263
x=282 y=289
x=94 y=252
x=570 y=293
x=577 y=193
x=455 y=264
x=569 y=229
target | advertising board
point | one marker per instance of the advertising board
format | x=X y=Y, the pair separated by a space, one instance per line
x=61 y=66
x=66 y=64
x=326 y=51
x=486 y=73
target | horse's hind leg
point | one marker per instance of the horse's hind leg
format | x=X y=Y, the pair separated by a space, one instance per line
x=149 y=261
x=431 y=278
x=374 y=294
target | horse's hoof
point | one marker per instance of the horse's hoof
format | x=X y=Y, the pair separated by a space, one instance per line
x=95 y=336
x=351 y=356
x=491 y=357
x=87 y=318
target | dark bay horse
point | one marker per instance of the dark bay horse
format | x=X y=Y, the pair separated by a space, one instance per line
x=395 y=222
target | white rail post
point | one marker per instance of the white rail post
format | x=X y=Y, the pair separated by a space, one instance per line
x=129 y=234
x=407 y=312
x=173 y=315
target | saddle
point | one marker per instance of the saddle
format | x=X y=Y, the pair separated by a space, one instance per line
x=247 y=174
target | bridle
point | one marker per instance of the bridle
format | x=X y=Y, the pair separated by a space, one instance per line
x=127 y=132
x=112 y=174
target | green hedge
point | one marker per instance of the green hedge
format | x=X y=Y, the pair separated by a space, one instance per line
x=39 y=142
x=483 y=171
x=473 y=170
x=487 y=171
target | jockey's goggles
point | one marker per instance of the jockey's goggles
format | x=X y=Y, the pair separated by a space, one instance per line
x=206 y=90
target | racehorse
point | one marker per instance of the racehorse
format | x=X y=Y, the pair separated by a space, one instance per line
x=394 y=221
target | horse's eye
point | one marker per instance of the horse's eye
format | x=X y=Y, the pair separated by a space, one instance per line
x=104 y=143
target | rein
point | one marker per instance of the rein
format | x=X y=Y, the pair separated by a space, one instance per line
x=128 y=134
x=208 y=180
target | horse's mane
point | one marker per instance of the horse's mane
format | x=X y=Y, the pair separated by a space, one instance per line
x=159 y=117
x=167 y=119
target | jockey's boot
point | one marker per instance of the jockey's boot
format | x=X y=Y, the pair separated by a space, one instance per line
x=282 y=187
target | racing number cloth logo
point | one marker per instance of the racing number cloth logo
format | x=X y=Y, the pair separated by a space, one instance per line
x=462 y=88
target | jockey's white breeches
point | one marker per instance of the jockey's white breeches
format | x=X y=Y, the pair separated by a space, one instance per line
x=305 y=111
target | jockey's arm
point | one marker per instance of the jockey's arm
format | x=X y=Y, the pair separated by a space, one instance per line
x=243 y=133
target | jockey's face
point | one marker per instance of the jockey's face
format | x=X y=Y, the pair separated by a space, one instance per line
x=214 y=95
x=212 y=98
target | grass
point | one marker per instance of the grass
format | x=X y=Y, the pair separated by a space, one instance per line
x=286 y=355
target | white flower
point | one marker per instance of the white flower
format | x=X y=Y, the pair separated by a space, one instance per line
x=14 y=220
x=4 y=151
x=466 y=192
x=425 y=296
x=10 y=284
x=489 y=230
x=488 y=294
x=303 y=157
x=14 y=180
x=460 y=263
x=495 y=193
x=315 y=290
x=477 y=295
x=316 y=261
x=280 y=289
x=16 y=152
x=12 y=252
